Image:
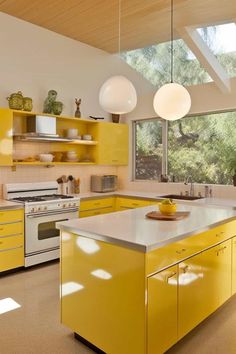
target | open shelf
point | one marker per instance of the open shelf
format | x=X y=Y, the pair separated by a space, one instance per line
x=39 y=163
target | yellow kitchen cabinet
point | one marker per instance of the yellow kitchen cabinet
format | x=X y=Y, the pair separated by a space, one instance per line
x=11 y=239
x=216 y=263
x=96 y=206
x=103 y=294
x=162 y=310
x=6 y=140
x=113 y=143
x=123 y=203
x=233 y=265
x=191 y=294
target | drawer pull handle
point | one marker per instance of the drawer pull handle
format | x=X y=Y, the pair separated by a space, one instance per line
x=135 y=204
x=220 y=234
x=184 y=268
x=181 y=251
x=170 y=276
x=220 y=250
x=1 y=228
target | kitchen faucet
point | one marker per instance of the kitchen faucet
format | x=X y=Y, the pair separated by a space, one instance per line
x=187 y=181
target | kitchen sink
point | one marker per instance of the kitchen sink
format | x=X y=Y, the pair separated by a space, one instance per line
x=178 y=196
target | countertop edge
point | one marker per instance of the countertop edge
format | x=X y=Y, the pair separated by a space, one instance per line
x=139 y=247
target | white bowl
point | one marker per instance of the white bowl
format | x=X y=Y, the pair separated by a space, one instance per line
x=46 y=157
x=87 y=137
x=72 y=133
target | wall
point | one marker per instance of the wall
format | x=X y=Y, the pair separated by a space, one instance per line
x=35 y=60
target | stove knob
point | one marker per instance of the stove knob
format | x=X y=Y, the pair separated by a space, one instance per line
x=45 y=208
x=39 y=208
x=69 y=205
x=64 y=205
x=32 y=210
x=74 y=204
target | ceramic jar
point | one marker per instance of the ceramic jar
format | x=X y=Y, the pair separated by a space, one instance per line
x=27 y=104
x=57 y=107
x=16 y=101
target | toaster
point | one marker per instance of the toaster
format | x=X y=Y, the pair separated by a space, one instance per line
x=103 y=183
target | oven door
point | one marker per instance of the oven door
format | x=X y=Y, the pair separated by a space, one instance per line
x=41 y=233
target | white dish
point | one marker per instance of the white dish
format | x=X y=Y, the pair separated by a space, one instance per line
x=87 y=137
x=72 y=133
x=46 y=157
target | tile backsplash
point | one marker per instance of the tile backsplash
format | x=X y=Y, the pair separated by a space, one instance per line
x=43 y=174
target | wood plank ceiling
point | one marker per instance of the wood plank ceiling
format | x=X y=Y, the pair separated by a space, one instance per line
x=95 y=22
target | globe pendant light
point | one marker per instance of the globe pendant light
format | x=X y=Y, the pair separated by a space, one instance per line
x=172 y=101
x=118 y=95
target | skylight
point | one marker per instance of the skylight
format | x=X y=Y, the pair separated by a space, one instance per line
x=153 y=63
x=221 y=39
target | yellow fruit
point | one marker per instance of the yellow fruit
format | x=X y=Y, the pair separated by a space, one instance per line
x=167 y=209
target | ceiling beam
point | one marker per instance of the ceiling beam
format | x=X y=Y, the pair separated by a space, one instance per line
x=207 y=59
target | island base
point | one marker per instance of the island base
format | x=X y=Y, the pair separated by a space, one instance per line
x=88 y=344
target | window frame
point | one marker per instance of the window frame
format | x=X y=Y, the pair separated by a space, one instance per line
x=164 y=142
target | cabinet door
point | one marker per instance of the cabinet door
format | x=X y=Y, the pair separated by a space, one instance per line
x=113 y=144
x=162 y=310
x=191 y=295
x=233 y=265
x=6 y=141
x=132 y=203
x=217 y=276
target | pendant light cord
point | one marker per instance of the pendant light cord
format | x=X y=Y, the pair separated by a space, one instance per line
x=171 y=43
x=119 y=18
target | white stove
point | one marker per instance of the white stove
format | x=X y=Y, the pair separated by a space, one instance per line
x=44 y=207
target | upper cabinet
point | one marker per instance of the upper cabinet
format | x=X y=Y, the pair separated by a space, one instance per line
x=113 y=143
x=6 y=141
x=108 y=144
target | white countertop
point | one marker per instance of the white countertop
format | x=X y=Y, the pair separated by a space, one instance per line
x=219 y=202
x=6 y=205
x=132 y=229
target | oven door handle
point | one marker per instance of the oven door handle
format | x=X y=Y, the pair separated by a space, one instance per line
x=52 y=213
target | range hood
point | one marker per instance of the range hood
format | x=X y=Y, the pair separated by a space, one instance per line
x=40 y=128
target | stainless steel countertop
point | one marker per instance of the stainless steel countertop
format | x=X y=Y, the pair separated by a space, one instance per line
x=130 y=228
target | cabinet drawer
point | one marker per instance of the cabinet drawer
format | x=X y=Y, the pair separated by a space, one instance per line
x=131 y=203
x=175 y=252
x=96 y=203
x=9 y=216
x=12 y=258
x=85 y=213
x=11 y=229
x=8 y=242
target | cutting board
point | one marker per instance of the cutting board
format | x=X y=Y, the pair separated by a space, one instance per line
x=158 y=216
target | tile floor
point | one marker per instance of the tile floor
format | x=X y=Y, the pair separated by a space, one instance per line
x=35 y=326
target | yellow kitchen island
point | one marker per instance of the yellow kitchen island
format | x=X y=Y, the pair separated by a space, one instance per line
x=131 y=285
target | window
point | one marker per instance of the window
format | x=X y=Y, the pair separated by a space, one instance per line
x=148 y=148
x=201 y=146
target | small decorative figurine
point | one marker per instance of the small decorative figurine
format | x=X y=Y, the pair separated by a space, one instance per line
x=77 y=112
x=49 y=101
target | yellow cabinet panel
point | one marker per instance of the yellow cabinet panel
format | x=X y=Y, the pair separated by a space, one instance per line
x=11 y=216
x=12 y=258
x=11 y=229
x=96 y=203
x=162 y=311
x=6 y=140
x=131 y=203
x=103 y=294
x=8 y=242
x=191 y=294
x=216 y=263
x=233 y=265
x=83 y=214
x=113 y=143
